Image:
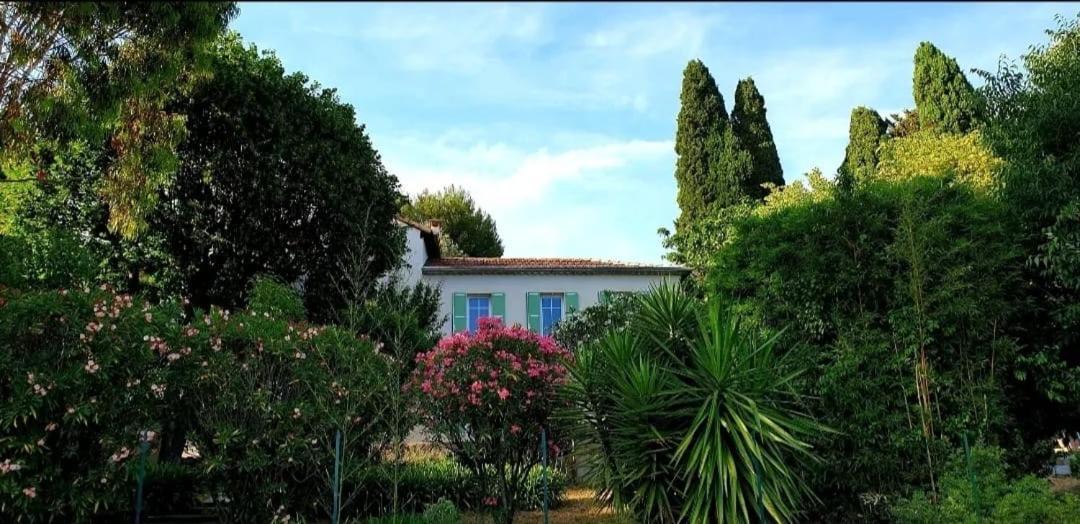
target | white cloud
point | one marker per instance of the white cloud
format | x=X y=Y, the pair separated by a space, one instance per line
x=674 y=32
x=526 y=191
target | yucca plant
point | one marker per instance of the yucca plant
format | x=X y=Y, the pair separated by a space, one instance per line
x=689 y=416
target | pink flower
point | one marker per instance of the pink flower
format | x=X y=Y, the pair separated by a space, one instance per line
x=504 y=394
x=515 y=429
x=29 y=492
x=490 y=501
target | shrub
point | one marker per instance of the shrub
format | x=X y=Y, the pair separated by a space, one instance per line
x=998 y=500
x=590 y=324
x=486 y=396
x=690 y=416
x=427 y=482
x=269 y=295
x=78 y=387
x=442 y=512
x=268 y=399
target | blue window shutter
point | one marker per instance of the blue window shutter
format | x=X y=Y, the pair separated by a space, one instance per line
x=498 y=306
x=532 y=311
x=571 y=302
x=461 y=321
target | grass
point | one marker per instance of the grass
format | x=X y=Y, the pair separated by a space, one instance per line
x=578 y=508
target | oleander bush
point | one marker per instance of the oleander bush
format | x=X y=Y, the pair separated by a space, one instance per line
x=487 y=395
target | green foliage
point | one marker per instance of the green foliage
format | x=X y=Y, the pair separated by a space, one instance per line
x=442 y=512
x=997 y=499
x=260 y=187
x=687 y=403
x=271 y=296
x=429 y=482
x=1033 y=109
x=468 y=227
x=102 y=72
x=701 y=123
x=917 y=262
x=751 y=126
x=51 y=259
x=944 y=99
x=267 y=404
x=865 y=135
x=590 y=324
x=77 y=383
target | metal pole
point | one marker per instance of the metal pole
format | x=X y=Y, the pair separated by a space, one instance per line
x=544 y=471
x=974 y=482
x=336 y=487
x=144 y=447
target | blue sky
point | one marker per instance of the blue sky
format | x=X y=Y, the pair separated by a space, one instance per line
x=560 y=118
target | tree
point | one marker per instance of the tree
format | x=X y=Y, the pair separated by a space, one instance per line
x=751 y=126
x=865 y=134
x=468 y=227
x=276 y=177
x=944 y=99
x=101 y=73
x=701 y=123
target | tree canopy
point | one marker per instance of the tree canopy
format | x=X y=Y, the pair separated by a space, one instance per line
x=701 y=123
x=101 y=73
x=468 y=228
x=752 y=128
x=865 y=133
x=944 y=98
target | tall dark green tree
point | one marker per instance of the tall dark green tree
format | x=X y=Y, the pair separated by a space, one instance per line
x=752 y=128
x=944 y=99
x=700 y=126
x=865 y=134
x=275 y=177
x=468 y=227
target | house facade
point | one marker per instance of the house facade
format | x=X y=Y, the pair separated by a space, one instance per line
x=533 y=292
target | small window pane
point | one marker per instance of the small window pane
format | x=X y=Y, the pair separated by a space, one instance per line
x=550 y=312
x=479 y=307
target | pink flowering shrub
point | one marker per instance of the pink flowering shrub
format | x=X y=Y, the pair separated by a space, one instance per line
x=86 y=375
x=486 y=395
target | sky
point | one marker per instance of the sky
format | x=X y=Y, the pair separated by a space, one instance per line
x=559 y=119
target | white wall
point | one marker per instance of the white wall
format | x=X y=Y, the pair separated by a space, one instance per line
x=415 y=257
x=588 y=288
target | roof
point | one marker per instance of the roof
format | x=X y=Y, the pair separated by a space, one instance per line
x=543 y=266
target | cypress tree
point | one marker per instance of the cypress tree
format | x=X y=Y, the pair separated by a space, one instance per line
x=700 y=126
x=731 y=170
x=752 y=129
x=865 y=133
x=944 y=99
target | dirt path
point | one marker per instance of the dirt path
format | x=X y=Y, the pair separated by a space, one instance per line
x=578 y=508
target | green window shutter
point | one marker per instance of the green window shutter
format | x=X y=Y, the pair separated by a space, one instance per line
x=571 y=302
x=498 y=306
x=605 y=295
x=532 y=310
x=461 y=322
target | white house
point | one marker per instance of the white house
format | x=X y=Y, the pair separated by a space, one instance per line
x=533 y=292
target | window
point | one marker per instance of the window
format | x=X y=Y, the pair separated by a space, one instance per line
x=551 y=308
x=479 y=307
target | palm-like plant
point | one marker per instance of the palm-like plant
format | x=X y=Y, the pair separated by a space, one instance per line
x=690 y=417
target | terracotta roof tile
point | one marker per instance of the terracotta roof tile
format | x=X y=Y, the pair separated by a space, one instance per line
x=460 y=265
